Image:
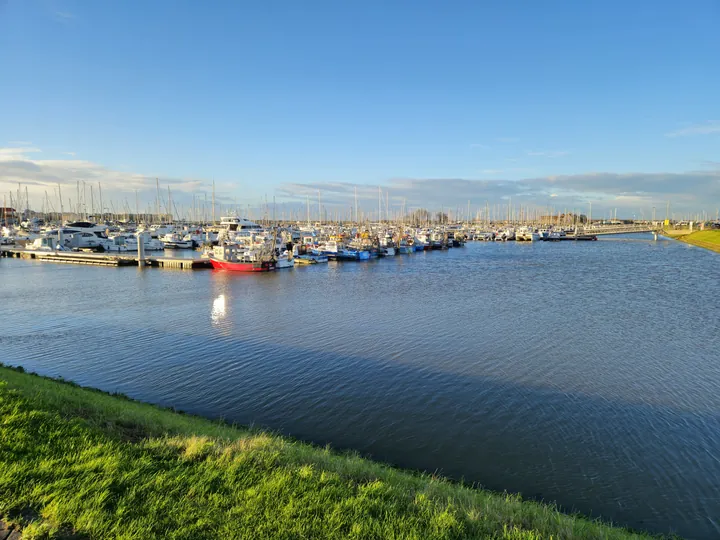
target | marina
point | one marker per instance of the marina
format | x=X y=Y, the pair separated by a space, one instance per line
x=239 y=244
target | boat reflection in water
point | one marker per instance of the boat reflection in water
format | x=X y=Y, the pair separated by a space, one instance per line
x=218 y=309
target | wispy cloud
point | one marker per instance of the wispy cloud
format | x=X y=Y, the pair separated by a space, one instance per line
x=546 y=153
x=19 y=143
x=705 y=128
x=13 y=153
x=506 y=171
x=69 y=154
x=63 y=16
x=507 y=139
x=480 y=146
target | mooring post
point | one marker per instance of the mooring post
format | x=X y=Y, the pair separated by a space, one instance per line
x=141 y=250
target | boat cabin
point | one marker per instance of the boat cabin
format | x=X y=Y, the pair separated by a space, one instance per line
x=234 y=223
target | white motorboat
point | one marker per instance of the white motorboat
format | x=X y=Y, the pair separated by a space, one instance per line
x=47 y=243
x=149 y=243
x=176 y=241
x=527 y=234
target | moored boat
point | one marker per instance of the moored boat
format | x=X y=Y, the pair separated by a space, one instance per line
x=305 y=259
x=285 y=260
x=176 y=241
x=231 y=257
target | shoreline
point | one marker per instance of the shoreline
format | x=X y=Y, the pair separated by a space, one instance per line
x=102 y=465
x=709 y=239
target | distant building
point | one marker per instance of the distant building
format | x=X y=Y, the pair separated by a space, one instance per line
x=564 y=218
x=7 y=216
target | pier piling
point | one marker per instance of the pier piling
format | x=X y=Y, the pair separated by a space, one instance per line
x=141 y=251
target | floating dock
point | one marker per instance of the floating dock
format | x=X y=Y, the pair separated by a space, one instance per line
x=104 y=259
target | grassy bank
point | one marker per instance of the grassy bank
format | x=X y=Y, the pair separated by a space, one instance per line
x=75 y=461
x=704 y=239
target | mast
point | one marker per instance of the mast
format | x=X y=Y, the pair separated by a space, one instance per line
x=356 y=207
x=379 y=205
x=102 y=208
x=157 y=201
x=308 y=209
x=213 y=202
x=62 y=210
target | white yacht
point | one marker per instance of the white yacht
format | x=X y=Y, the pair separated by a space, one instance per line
x=235 y=223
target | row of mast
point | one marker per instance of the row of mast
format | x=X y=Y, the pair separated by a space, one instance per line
x=202 y=212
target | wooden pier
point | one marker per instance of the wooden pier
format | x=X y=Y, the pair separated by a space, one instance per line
x=104 y=259
x=182 y=264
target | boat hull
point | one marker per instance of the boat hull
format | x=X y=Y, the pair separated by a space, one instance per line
x=242 y=267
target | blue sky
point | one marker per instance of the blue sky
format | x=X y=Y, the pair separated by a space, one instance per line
x=286 y=97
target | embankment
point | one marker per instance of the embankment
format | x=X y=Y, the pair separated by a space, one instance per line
x=79 y=463
x=704 y=239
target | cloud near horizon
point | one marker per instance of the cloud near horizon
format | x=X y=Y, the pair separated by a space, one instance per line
x=19 y=165
x=632 y=193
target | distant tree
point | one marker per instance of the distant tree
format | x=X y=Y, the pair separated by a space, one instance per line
x=442 y=218
x=420 y=216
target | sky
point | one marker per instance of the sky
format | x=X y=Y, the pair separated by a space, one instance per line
x=557 y=104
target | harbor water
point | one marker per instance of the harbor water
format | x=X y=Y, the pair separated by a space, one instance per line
x=582 y=373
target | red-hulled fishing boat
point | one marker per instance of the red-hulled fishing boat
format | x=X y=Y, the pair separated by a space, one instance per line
x=231 y=257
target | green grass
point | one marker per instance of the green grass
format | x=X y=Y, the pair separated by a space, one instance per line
x=705 y=239
x=76 y=461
